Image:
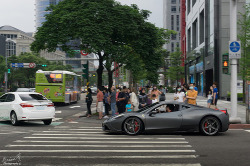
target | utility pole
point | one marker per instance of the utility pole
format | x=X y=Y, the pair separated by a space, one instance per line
x=233 y=37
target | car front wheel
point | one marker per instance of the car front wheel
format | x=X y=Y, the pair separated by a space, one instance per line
x=210 y=126
x=47 y=122
x=133 y=126
x=13 y=119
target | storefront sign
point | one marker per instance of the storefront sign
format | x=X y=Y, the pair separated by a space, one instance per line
x=191 y=69
x=199 y=67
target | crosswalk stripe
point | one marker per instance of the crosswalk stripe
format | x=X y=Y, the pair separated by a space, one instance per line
x=92 y=135
x=87 y=132
x=101 y=151
x=107 y=146
x=79 y=129
x=147 y=164
x=104 y=138
x=122 y=157
x=90 y=127
x=107 y=142
x=248 y=131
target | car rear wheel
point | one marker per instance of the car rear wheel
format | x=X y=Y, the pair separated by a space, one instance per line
x=13 y=119
x=210 y=126
x=47 y=122
x=133 y=126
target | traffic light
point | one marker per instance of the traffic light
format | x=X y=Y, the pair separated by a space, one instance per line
x=85 y=70
x=225 y=64
x=41 y=65
x=44 y=65
x=8 y=71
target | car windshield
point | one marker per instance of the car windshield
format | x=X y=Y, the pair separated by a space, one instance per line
x=23 y=90
x=29 y=97
x=148 y=106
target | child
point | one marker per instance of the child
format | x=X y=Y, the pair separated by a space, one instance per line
x=209 y=98
x=129 y=106
x=154 y=100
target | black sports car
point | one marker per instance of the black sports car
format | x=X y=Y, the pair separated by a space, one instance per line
x=169 y=116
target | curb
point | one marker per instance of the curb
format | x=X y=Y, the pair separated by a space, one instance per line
x=239 y=126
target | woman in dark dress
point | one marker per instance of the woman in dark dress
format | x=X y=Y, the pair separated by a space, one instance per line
x=89 y=100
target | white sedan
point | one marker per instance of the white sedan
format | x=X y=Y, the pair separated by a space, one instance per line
x=26 y=106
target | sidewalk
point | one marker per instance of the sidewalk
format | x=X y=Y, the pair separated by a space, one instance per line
x=221 y=104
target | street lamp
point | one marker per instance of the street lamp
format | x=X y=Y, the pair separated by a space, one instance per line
x=8 y=40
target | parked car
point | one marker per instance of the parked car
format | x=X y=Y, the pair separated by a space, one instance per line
x=169 y=117
x=26 y=90
x=26 y=106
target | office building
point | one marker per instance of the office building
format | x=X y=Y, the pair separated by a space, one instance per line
x=207 y=39
x=171 y=21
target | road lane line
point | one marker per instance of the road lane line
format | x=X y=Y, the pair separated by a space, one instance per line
x=248 y=131
x=107 y=142
x=131 y=138
x=90 y=127
x=73 y=132
x=107 y=146
x=98 y=151
x=58 y=112
x=121 y=157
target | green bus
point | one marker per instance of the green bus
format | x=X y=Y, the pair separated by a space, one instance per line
x=59 y=86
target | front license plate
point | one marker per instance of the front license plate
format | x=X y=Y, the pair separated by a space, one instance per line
x=40 y=107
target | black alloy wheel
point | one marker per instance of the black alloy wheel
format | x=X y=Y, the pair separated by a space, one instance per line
x=133 y=126
x=210 y=126
x=47 y=122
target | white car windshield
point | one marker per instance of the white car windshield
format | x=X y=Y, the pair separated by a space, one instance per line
x=29 y=97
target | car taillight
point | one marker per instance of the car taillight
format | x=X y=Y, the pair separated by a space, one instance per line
x=225 y=111
x=50 y=105
x=25 y=105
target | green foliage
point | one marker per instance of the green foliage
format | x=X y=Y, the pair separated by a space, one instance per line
x=244 y=36
x=106 y=28
x=176 y=71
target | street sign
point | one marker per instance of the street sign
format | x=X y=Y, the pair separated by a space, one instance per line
x=32 y=65
x=84 y=53
x=234 y=50
x=23 y=65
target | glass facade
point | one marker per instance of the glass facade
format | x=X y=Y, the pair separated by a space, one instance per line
x=41 y=6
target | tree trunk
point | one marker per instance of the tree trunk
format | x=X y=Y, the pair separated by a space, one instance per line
x=110 y=78
x=99 y=71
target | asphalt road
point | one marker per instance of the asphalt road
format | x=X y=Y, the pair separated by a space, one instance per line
x=75 y=140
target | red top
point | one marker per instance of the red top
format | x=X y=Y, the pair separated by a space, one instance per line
x=100 y=96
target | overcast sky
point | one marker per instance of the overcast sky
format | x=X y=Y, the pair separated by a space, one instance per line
x=21 y=13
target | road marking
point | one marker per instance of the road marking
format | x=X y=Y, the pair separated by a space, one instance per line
x=100 y=151
x=125 y=157
x=147 y=164
x=248 y=131
x=56 y=119
x=73 y=122
x=75 y=107
x=90 y=127
x=107 y=142
x=107 y=146
x=73 y=132
x=79 y=129
x=131 y=138
x=58 y=112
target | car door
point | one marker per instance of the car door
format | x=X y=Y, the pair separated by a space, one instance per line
x=3 y=111
x=8 y=104
x=164 y=121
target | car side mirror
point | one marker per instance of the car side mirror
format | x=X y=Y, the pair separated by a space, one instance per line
x=152 y=113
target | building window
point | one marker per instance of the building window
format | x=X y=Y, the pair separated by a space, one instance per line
x=173 y=9
x=172 y=22
x=193 y=2
x=173 y=1
x=177 y=22
x=172 y=47
x=188 y=6
x=177 y=44
x=173 y=37
x=202 y=29
x=189 y=39
x=194 y=34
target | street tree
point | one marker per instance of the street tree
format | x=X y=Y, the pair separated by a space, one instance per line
x=244 y=36
x=176 y=71
x=103 y=27
x=3 y=68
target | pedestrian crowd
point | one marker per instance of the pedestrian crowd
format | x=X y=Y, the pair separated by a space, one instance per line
x=122 y=99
